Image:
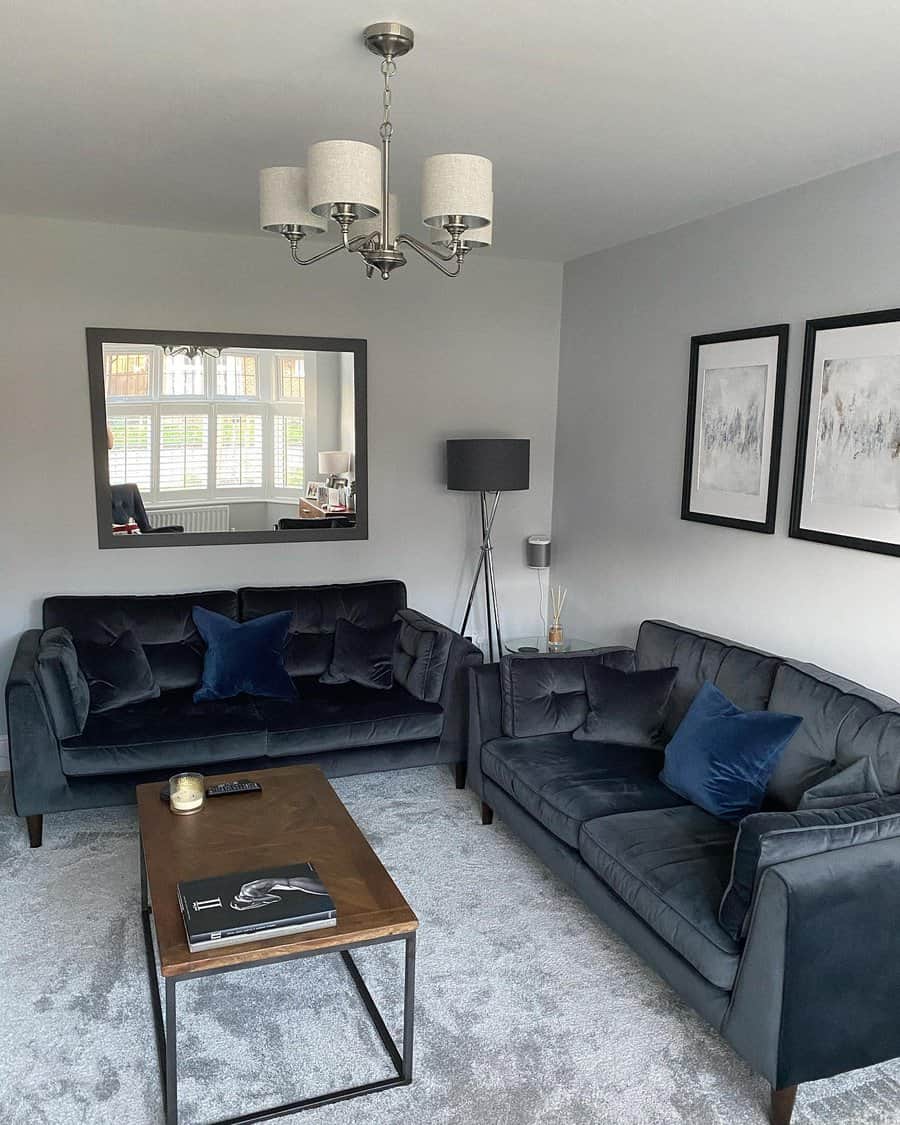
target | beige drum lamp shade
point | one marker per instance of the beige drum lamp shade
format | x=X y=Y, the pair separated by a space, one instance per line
x=283 y=205
x=344 y=172
x=456 y=183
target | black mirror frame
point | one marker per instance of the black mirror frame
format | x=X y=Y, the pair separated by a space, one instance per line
x=97 y=337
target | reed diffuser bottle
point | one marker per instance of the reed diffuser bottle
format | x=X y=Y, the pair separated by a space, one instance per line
x=555 y=642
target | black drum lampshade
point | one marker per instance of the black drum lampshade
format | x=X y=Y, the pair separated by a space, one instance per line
x=488 y=464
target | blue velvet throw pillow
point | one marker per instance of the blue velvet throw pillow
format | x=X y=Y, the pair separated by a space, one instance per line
x=244 y=656
x=721 y=758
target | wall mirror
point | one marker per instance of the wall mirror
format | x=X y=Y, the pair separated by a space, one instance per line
x=214 y=438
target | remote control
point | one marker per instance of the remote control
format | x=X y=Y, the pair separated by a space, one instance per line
x=228 y=788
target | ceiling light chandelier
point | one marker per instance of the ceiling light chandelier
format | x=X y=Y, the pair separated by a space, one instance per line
x=349 y=183
x=192 y=351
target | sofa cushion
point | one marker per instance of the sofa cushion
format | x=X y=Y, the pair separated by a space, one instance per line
x=170 y=731
x=63 y=685
x=420 y=659
x=315 y=611
x=547 y=694
x=243 y=657
x=161 y=622
x=743 y=674
x=117 y=672
x=834 y=722
x=671 y=867
x=562 y=783
x=341 y=716
x=363 y=656
x=776 y=837
x=722 y=757
x=853 y=785
x=625 y=708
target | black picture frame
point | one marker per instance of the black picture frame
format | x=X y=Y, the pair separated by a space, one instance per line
x=767 y=525
x=97 y=337
x=796 y=530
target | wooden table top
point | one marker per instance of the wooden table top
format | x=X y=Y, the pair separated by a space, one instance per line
x=297 y=817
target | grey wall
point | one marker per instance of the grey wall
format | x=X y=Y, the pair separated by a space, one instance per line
x=826 y=248
x=473 y=356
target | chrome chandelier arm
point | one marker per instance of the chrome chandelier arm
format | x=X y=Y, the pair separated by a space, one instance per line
x=432 y=256
x=354 y=245
x=316 y=257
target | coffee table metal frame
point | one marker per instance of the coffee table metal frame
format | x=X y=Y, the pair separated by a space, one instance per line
x=166 y=1036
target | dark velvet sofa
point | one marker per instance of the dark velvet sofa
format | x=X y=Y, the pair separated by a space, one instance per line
x=814 y=988
x=62 y=757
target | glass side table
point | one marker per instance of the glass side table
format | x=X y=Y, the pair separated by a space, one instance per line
x=532 y=646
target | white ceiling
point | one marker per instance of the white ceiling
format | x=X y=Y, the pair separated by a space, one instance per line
x=605 y=119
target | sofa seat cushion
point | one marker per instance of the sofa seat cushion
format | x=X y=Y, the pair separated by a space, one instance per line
x=171 y=730
x=340 y=716
x=671 y=866
x=562 y=782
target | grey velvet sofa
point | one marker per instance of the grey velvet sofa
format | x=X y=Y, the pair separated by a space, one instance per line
x=63 y=757
x=814 y=989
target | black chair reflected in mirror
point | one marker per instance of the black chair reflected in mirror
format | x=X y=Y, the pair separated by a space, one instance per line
x=128 y=504
x=311 y=524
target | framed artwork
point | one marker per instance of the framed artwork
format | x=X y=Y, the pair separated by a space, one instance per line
x=312 y=489
x=847 y=471
x=732 y=447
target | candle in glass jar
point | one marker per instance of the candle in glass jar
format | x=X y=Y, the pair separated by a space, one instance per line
x=187 y=793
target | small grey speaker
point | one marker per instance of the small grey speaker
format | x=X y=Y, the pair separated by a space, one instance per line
x=537 y=552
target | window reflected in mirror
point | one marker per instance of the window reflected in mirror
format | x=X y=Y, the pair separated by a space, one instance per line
x=204 y=440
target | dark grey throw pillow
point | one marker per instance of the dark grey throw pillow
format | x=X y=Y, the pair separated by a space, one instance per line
x=117 y=673
x=854 y=785
x=767 y=838
x=363 y=656
x=626 y=708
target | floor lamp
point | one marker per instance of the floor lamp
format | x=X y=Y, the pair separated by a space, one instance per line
x=488 y=465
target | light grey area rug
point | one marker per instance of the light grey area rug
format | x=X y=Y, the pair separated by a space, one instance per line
x=529 y=1009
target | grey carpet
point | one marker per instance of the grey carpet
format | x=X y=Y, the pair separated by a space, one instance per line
x=529 y=1010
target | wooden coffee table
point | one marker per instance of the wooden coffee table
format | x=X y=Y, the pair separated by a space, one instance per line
x=297 y=817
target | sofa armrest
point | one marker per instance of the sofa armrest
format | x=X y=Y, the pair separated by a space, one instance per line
x=485 y=718
x=819 y=980
x=33 y=749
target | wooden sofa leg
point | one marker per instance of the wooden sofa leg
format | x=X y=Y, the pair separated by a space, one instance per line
x=783 y=1105
x=487 y=814
x=35 y=830
x=460 y=775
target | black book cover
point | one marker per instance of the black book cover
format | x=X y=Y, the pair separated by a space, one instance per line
x=247 y=905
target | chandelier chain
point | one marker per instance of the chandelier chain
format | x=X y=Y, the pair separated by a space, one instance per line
x=388 y=69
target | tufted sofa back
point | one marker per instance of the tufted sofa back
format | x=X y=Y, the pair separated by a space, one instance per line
x=161 y=622
x=316 y=609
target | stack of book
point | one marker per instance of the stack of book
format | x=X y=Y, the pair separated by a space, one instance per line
x=251 y=905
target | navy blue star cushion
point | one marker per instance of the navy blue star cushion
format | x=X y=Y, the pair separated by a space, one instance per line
x=243 y=657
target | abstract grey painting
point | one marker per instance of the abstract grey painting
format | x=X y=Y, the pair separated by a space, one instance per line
x=730 y=453
x=857 y=454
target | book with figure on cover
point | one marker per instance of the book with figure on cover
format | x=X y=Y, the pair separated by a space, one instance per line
x=251 y=905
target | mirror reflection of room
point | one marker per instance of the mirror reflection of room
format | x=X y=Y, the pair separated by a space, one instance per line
x=216 y=440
